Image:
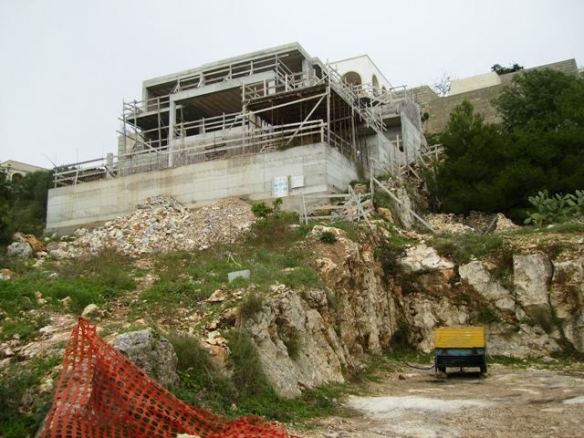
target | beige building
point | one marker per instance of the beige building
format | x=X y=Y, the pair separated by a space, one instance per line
x=16 y=169
x=480 y=90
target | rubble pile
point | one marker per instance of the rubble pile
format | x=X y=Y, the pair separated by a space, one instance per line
x=476 y=222
x=161 y=224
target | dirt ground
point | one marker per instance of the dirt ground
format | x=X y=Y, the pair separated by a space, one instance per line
x=507 y=402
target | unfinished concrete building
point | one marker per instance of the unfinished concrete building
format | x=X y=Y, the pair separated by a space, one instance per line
x=274 y=123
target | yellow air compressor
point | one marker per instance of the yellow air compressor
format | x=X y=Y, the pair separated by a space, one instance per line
x=460 y=347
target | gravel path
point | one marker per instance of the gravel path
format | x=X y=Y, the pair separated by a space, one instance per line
x=507 y=403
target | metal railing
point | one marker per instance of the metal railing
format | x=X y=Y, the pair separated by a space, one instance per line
x=224 y=122
x=191 y=150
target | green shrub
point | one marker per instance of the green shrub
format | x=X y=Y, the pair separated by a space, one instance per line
x=201 y=381
x=462 y=248
x=251 y=304
x=290 y=336
x=261 y=210
x=555 y=209
x=248 y=374
x=328 y=237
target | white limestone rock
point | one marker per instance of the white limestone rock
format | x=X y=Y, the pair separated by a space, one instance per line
x=532 y=274
x=478 y=276
x=424 y=258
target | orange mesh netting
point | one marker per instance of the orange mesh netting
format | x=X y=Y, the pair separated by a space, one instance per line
x=102 y=394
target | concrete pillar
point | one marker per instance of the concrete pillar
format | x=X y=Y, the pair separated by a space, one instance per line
x=307 y=70
x=171 y=123
x=110 y=165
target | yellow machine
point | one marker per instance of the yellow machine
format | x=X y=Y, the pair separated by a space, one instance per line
x=460 y=347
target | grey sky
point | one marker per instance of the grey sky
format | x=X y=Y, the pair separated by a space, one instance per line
x=67 y=65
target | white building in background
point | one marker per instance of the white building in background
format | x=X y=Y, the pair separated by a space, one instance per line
x=362 y=72
x=16 y=169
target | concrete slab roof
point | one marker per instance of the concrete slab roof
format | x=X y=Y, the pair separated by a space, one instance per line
x=266 y=53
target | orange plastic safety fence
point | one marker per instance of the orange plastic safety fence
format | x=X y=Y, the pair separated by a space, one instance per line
x=102 y=394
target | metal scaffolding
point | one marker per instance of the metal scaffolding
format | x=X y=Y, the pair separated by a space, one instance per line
x=251 y=105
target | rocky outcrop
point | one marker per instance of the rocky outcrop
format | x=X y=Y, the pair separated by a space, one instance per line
x=540 y=315
x=567 y=300
x=152 y=353
x=298 y=349
x=479 y=278
x=365 y=308
x=536 y=312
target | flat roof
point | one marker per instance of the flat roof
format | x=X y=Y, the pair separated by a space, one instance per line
x=286 y=48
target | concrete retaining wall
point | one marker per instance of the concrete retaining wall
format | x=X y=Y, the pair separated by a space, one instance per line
x=324 y=169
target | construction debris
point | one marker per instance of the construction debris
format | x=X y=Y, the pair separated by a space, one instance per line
x=161 y=224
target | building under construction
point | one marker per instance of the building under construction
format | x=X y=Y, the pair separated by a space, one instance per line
x=275 y=123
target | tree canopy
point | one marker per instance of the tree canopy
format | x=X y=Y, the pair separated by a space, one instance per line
x=538 y=146
x=23 y=204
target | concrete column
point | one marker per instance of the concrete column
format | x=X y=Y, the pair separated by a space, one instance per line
x=308 y=70
x=110 y=165
x=171 y=123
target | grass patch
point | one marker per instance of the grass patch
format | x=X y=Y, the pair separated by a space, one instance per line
x=109 y=269
x=201 y=381
x=168 y=295
x=22 y=410
x=248 y=391
x=276 y=231
x=26 y=327
x=464 y=247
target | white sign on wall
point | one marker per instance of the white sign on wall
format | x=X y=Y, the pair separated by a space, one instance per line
x=280 y=187
x=296 y=181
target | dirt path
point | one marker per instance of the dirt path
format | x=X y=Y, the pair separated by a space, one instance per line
x=507 y=403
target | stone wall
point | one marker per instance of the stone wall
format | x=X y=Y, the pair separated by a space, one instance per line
x=439 y=108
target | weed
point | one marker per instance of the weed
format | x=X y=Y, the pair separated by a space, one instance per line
x=290 y=336
x=167 y=295
x=108 y=268
x=484 y=313
x=389 y=259
x=261 y=210
x=480 y=309
x=21 y=410
x=351 y=229
x=301 y=278
x=251 y=304
x=201 y=380
x=277 y=231
x=462 y=248
x=248 y=374
x=24 y=327
x=328 y=237
x=408 y=356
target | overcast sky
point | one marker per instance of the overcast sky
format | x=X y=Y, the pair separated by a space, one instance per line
x=67 y=65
